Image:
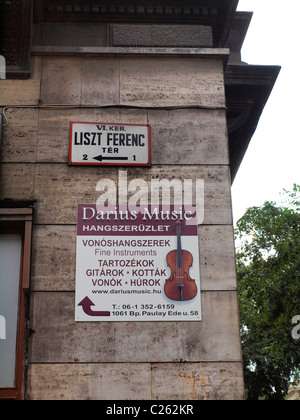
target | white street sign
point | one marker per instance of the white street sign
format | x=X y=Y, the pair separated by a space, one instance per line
x=109 y=144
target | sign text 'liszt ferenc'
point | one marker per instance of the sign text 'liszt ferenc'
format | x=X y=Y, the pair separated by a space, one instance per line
x=109 y=144
x=137 y=266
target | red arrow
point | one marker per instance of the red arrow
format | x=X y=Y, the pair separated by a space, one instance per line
x=86 y=304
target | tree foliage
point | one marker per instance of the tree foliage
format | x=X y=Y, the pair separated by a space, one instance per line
x=268 y=267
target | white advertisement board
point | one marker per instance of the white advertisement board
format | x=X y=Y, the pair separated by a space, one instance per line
x=137 y=266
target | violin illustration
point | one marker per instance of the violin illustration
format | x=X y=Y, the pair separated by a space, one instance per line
x=180 y=286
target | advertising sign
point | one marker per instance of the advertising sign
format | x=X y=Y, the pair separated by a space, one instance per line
x=109 y=144
x=137 y=265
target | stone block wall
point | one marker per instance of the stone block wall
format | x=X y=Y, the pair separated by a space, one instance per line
x=182 y=98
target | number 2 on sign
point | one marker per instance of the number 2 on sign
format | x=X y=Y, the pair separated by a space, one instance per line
x=85 y=157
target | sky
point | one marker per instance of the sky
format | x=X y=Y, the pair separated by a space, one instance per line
x=271 y=163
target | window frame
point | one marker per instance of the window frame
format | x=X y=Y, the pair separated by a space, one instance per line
x=19 y=220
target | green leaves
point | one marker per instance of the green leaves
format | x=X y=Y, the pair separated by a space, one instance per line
x=268 y=267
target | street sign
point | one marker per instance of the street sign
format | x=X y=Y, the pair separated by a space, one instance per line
x=109 y=144
x=137 y=264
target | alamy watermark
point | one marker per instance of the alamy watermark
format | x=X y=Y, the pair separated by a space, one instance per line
x=2 y=68
x=296 y=329
x=2 y=328
x=138 y=194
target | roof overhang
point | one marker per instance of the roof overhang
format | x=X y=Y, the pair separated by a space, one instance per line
x=247 y=91
x=218 y=14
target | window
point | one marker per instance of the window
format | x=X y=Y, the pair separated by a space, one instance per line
x=15 y=251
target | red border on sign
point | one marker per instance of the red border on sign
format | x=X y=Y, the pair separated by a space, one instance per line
x=112 y=163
